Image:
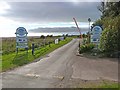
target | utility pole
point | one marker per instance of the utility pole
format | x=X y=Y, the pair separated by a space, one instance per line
x=89 y=20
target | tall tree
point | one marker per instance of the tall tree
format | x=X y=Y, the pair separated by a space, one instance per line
x=109 y=9
x=101 y=8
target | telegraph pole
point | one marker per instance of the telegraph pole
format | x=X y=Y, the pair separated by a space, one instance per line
x=89 y=20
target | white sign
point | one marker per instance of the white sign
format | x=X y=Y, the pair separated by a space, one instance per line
x=96 y=33
x=21 y=38
x=21 y=45
x=56 y=41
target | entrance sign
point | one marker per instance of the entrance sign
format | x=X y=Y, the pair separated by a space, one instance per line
x=21 y=38
x=95 y=34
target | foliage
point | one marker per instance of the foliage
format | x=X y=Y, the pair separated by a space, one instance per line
x=42 y=36
x=112 y=9
x=109 y=41
x=85 y=41
x=109 y=9
x=49 y=35
x=86 y=47
x=110 y=21
x=84 y=35
x=99 y=22
x=101 y=7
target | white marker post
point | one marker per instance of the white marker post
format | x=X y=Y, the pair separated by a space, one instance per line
x=56 y=41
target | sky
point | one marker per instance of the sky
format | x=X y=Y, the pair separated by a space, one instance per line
x=34 y=15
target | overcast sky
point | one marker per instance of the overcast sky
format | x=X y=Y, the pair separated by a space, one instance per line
x=52 y=11
x=46 y=14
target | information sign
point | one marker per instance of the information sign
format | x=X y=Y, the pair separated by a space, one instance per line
x=21 y=38
x=95 y=34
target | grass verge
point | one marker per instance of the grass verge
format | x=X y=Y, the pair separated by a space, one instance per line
x=109 y=85
x=12 y=60
x=95 y=85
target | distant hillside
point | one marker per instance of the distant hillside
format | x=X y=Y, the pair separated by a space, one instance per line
x=57 y=30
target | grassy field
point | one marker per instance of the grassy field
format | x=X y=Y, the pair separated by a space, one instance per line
x=9 y=44
x=11 y=59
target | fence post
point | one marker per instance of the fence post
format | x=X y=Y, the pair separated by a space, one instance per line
x=17 y=50
x=49 y=44
x=33 y=48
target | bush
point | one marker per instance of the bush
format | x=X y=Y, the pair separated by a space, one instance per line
x=86 y=47
x=110 y=38
x=42 y=36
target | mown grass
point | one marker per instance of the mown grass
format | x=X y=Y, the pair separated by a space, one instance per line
x=109 y=85
x=12 y=60
x=103 y=85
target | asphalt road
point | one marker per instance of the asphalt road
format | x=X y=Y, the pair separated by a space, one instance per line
x=61 y=68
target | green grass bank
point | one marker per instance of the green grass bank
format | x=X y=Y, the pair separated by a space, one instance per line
x=13 y=60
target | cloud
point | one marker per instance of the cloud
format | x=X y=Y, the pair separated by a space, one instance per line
x=58 y=30
x=44 y=12
x=56 y=0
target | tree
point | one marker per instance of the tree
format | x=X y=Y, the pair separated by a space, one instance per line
x=48 y=36
x=51 y=35
x=99 y=22
x=110 y=38
x=66 y=35
x=110 y=20
x=101 y=8
x=109 y=9
x=42 y=36
x=83 y=35
x=112 y=9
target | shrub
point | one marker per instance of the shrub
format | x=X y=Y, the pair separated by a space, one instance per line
x=109 y=41
x=110 y=38
x=86 y=47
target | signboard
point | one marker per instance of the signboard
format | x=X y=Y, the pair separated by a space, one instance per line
x=56 y=41
x=21 y=38
x=95 y=34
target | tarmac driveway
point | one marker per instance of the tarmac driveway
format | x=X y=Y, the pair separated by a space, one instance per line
x=61 y=68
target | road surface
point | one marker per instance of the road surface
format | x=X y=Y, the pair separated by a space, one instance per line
x=61 y=68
